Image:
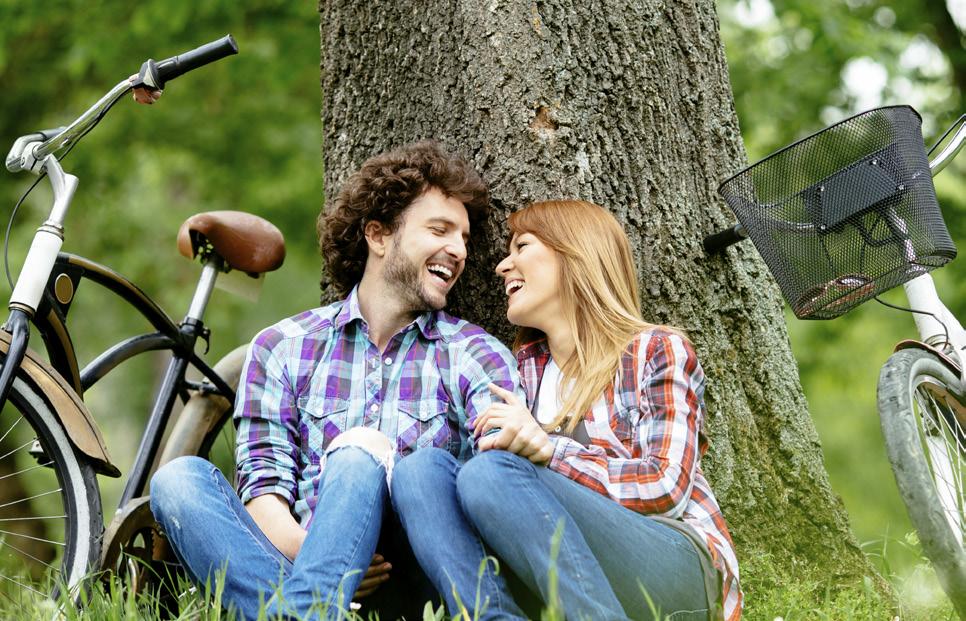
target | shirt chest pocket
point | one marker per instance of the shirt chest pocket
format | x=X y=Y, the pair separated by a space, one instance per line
x=426 y=423
x=321 y=419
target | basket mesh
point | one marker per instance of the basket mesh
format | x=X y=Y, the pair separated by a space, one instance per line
x=844 y=214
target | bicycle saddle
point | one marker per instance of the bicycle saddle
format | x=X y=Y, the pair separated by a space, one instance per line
x=245 y=241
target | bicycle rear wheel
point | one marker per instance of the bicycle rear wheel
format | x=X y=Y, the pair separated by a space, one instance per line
x=922 y=410
x=50 y=509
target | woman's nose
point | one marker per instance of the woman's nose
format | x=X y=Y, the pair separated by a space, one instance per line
x=503 y=266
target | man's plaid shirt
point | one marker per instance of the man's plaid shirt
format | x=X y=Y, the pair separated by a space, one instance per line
x=646 y=454
x=315 y=375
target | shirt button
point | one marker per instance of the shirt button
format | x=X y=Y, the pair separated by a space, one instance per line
x=388 y=360
x=374 y=407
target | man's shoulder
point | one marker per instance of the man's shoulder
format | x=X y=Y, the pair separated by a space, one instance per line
x=307 y=324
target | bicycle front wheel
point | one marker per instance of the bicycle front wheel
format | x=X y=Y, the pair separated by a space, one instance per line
x=922 y=410
x=50 y=509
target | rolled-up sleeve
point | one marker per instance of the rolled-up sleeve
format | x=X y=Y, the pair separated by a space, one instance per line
x=484 y=360
x=267 y=445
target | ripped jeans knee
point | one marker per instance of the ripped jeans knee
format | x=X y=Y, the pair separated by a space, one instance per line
x=372 y=442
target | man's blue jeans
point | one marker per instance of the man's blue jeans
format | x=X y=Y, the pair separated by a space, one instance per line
x=210 y=530
x=608 y=557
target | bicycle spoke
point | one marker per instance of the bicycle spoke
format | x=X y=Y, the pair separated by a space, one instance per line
x=939 y=439
x=29 y=555
x=946 y=416
x=7 y=432
x=23 y=586
x=13 y=474
x=13 y=502
x=19 y=448
x=32 y=538
x=27 y=518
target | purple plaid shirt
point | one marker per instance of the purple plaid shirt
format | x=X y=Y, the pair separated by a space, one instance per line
x=310 y=377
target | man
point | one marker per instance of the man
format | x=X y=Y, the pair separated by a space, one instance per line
x=331 y=397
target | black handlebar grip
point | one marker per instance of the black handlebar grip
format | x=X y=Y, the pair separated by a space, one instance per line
x=175 y=66
x=717 y=242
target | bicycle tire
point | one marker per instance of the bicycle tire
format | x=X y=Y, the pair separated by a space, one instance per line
x=922 y=410
x=68 y=498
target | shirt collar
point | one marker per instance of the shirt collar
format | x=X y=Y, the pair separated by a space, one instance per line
x=536 y=349
x=350 y=311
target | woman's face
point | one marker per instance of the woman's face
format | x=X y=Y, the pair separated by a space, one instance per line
x=531 y=277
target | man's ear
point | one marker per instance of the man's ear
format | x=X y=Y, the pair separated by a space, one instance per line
x=376 y=237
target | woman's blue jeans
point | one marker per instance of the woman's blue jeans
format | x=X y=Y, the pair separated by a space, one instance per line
x=611 y=563
x=210 y=530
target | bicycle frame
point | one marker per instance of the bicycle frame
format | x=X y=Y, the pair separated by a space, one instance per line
x=43 y=295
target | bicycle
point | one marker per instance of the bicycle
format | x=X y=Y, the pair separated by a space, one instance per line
x=844 y=215
x=52 y=531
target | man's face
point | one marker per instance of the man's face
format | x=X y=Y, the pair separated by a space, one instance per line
x=427 y=252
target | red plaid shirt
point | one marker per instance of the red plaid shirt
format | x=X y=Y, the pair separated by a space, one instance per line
x=647 y=454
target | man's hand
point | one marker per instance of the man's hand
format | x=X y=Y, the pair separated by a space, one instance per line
x=377 y=573
x=519 y=432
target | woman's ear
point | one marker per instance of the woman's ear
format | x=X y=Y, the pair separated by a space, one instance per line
x=376 y=237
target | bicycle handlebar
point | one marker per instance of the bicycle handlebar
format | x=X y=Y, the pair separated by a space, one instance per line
x=952 y=147
x=156 y=74
x=30 y=150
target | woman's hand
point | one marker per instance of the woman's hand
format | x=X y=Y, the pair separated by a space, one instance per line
x=143 y=94
x=518 y=432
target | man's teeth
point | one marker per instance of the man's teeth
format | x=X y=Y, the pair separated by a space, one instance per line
x=442 y=271
x=513 y=286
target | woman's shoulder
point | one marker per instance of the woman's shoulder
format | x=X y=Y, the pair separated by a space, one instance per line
x=658 y=336
x=658 y=347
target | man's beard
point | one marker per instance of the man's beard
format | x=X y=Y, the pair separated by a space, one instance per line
x=402 y=276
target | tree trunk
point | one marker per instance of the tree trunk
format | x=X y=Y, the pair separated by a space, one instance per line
x=628 y=105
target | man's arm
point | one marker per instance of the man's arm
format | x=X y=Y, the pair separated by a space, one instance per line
x=486 y=360
x=274 y=517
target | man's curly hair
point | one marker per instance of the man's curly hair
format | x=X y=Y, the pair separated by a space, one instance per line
x=381 y=191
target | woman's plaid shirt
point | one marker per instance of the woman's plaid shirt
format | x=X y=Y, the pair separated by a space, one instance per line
x=647 y=454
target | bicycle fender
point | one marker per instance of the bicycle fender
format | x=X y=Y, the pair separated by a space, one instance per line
x=203 y=410
x=78 y=423
x=911 y=344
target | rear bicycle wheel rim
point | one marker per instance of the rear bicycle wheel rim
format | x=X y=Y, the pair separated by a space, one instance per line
x=50 y=530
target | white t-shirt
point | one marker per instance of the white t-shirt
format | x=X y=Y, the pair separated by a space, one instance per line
x=549 y=403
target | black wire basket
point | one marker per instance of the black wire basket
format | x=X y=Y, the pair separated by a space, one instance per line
x=846 y=213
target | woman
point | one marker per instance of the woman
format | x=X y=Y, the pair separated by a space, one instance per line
x=603 y=459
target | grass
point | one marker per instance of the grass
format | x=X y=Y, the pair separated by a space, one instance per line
x=770 y=596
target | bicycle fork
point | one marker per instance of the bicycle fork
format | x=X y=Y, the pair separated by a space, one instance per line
x=936 y=325
x=38 y=265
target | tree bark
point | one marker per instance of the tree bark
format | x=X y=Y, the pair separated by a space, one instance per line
x=628 y=105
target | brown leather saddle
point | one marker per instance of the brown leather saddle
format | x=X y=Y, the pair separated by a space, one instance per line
x=245 y=241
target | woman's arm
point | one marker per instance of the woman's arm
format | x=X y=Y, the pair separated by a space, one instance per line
x=658 y=480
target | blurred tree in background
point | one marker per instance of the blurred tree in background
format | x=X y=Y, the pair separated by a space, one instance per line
x=797 y=66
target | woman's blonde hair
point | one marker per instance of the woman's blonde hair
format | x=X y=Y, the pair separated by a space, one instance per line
x=598 y=289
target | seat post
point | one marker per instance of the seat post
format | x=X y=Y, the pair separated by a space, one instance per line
x=206 y=283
